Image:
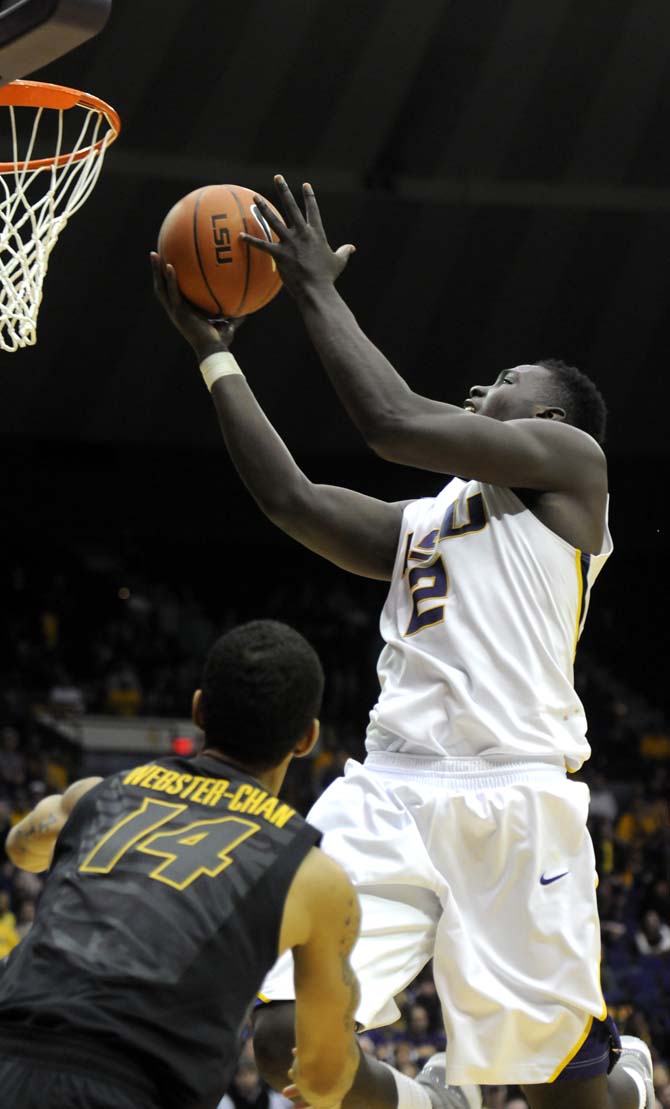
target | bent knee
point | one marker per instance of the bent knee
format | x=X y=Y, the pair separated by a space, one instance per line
x=274 y=1038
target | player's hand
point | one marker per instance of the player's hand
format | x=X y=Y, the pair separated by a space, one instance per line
x=294 y=1093
x=303 y=256
x=205 y=336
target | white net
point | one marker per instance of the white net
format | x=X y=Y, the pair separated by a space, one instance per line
x=37 y=200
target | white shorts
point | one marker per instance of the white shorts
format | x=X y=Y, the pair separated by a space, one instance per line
x=490 y=871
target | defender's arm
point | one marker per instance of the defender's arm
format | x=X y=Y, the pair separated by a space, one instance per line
x=30 y=843
x=321 y=924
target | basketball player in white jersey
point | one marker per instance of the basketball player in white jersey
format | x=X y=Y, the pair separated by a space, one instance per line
x=465 y=838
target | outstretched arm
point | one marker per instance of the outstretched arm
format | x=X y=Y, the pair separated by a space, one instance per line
x=321 y=924
x=399 y=424
x=30 y=843
x=356 y=532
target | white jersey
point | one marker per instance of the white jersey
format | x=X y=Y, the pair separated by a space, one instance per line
x=481 y=624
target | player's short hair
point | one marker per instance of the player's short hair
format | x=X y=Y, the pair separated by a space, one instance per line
x=262 y=686
x=581 y=398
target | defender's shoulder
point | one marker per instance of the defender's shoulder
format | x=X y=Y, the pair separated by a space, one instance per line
x=319 y=893
x=321 y=876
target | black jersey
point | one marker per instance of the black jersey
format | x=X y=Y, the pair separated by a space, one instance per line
x=159 y=918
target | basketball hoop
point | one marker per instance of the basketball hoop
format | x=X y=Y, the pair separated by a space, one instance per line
x=53 y=161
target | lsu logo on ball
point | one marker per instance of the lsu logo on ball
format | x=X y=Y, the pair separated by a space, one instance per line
x=221 y=237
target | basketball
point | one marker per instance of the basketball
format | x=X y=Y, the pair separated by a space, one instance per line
x=215 y=269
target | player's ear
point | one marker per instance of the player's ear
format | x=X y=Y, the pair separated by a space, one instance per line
x=545 y=412
x=196 y=710
x=306 y=744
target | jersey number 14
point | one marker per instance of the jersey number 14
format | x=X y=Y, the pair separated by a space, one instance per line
x=202 y=847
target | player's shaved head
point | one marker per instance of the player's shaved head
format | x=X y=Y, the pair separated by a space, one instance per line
x=262 y=687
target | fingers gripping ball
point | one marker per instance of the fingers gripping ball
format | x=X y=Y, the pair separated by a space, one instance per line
x=215 y=269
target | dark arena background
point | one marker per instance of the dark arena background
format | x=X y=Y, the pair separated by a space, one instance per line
x=504 y=170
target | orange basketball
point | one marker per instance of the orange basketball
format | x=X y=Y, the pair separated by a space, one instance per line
x=215 y=269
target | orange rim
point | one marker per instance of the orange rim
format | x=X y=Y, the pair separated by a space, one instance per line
x=40 y=94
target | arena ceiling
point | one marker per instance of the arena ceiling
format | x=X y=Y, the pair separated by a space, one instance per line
x=502 y=165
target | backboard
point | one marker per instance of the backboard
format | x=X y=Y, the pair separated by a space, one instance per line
x=36 y=32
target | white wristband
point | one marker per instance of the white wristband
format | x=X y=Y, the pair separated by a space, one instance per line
x=220 y=364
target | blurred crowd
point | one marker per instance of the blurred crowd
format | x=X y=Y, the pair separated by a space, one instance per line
x=93 y=640
x=89 y=640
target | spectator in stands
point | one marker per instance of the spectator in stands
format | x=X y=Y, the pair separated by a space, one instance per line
x=15 y=701
x=7 y=872
x=6 y=915
x=5 y=819
x=8 y=939
x=12 y=763
x=334 y=768
x=20 y=805
x=663 y=1097
x=604 y=843
x=653 y=937
x=8 y=934
x=410 y=1069
x=66 y=699
x=123 y=691
x=404 y=1054
x=494 y=1097
x=55 y=771
x=603 y=803
x=425 y=1040
x=366 y=1044
x=639 y=821
x=418 y=1024
x=26 y=886
x=612 y=906
x=425 y=993
x=661 y=1076
x=247 y=1091
x=658 y=897
x=25 y=917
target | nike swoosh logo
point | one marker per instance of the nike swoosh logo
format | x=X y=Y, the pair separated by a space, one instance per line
x=547 y=881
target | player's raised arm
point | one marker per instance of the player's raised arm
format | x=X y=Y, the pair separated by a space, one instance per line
x=321 y=923
x=30 y=843
x=356 y=532
x=399 y=424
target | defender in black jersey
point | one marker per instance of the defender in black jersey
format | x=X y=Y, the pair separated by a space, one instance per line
x=173 y=887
